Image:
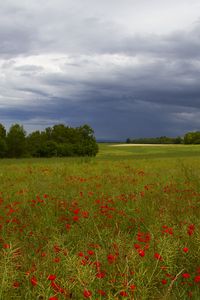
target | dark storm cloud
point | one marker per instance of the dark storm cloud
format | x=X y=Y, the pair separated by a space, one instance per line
x=83 y=63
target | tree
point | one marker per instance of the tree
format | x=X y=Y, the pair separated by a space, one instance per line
x=16 y=141
x=2 y=131
x=86 y=145
x=3 y=145
x=3 y=148
x=192 y=138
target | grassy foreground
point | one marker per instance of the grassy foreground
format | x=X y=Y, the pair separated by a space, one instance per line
x=123 y=225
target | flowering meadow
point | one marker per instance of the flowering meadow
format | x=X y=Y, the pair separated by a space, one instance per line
x=123 y=225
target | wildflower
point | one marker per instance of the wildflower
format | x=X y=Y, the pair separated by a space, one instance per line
x=56 y=259
x=53 y=298
x=123 y=294
x=143 y=237
x=158 y=256
x=132 y=287
x=198 y=270
x=111 y=258
x=197 y=279
x=97 y=264
x=90 y=252
x=142 y=193
x=141 y=253
x=167 y=229
x=56 y=248
x=185 y=249
x=75 y=218
x=76 y=211
x=51 y=277
x=56 y=287
x=137 y=246
x=100 y=274
x=68 y=227
x=102 y=293
x=84 y=262
x=87 y=293
x=186 y=275
x=16 y=284
x=191 y=229
x=33 y=280
x=164 y=281
x=85 y=214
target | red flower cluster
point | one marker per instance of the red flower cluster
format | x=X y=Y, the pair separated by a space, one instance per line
x=191 y=229
x=166 y=229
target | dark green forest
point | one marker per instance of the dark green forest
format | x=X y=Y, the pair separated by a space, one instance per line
x=59 y=140
x=188 y=139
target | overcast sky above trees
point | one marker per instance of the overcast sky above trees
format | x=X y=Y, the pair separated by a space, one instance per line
x=128 y=68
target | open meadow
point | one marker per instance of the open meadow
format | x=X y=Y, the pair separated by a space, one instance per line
x=122 y=225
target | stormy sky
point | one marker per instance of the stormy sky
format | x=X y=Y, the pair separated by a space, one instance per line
x=128 y=68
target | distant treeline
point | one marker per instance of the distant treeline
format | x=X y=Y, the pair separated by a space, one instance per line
x=59 y=140
x=189 y=138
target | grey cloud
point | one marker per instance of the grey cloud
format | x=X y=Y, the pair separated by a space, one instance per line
x=68 y=61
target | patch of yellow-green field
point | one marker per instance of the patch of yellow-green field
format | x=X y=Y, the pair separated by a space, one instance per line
x=123 y=225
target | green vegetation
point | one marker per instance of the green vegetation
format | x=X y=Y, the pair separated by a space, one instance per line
x=189 y=138
x=192 y=138
x=156 y=140
x=122 y=225
x=59 y=140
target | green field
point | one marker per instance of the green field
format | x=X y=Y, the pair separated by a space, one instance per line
x=122 y=225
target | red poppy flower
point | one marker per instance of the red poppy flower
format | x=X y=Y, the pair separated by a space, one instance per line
x=16 y=284
x=87 y=293
x=111 y=258
x=102 y=293
x=137 y=246
x=56 y=287
x=33 y=281
x=97 y=264
x=75 y=218
x=100 y=274
x=68 y=226
x=76 y=211
x=141 y=253
x=186 y=275
x=132 y=287
x=197 y=279
x=85 y=214
x=158 y=256
x=191 y=229
x=164 y=281
x=185 y=249
x=51 y=277
x=123 y=294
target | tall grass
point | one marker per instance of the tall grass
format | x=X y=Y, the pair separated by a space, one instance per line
x=123 y=225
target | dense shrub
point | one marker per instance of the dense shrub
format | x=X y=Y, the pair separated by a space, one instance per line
x=59 y=140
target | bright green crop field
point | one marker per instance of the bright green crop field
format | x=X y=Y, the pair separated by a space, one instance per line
x=122 y=225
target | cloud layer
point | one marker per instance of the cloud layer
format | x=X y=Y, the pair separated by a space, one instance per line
x=127 y=69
